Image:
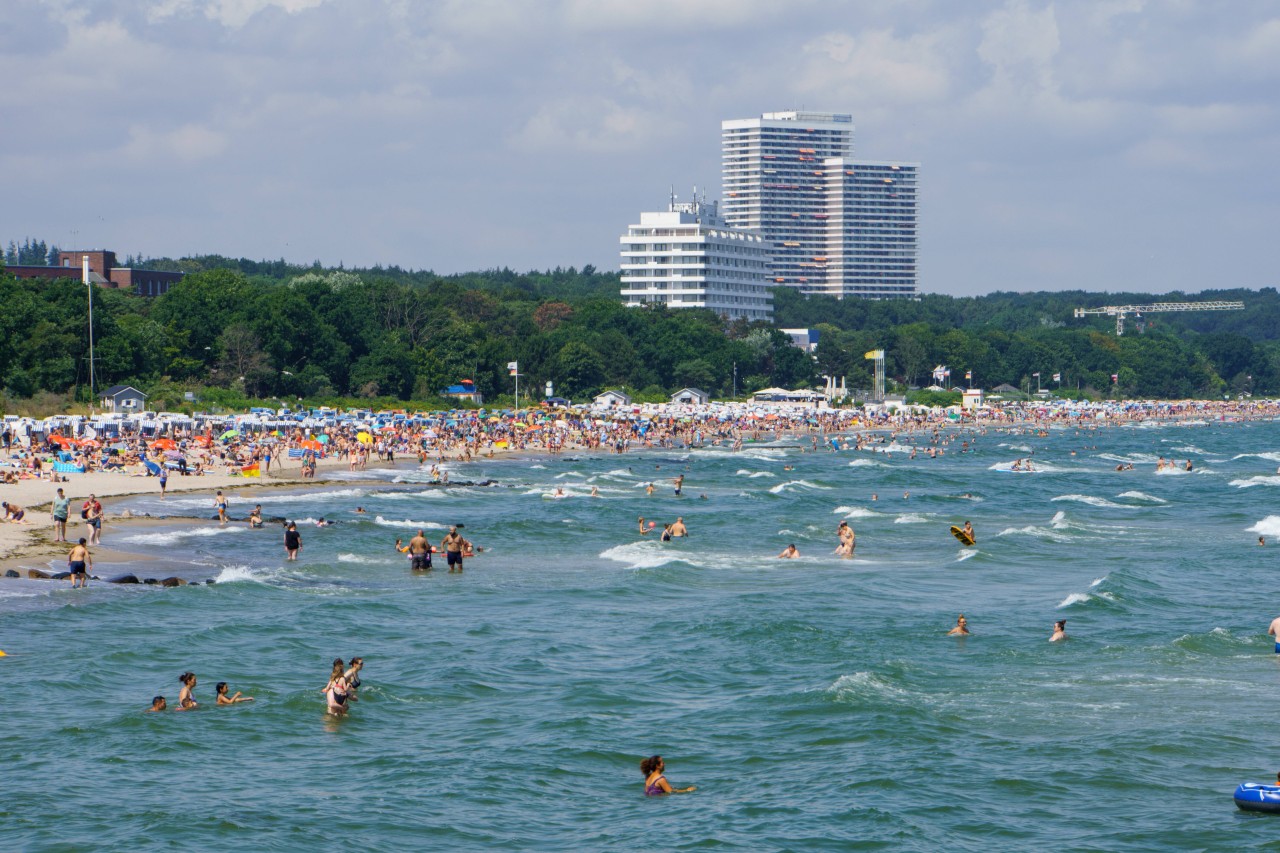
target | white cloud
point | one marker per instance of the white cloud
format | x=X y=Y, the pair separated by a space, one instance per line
x=230 y=13
x=186 y=145
x=875 y=67
x=1020 y=44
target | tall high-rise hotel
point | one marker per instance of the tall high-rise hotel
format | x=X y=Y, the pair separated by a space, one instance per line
x=837 y=226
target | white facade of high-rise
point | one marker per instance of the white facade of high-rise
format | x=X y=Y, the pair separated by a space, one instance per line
x=791 y=177
x=688 y=257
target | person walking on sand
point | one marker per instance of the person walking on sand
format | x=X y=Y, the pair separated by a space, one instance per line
x=292 y=541
x=164 y=480
x=61 y=510
x=91 y=512
x=79 y=564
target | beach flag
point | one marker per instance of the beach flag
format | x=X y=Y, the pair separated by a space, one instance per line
x=940 y=372
x=513 y=367
x=875 y=353
x=1057 y=377
x=1036 y=375
x=968 y=376
x=1115 y=377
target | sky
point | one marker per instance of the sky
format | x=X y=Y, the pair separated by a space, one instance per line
x=1115 y=145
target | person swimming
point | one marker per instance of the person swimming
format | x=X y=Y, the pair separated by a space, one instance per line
x=158 y=704
x=1059 y=631
x=336 y=691
x=655 y=783
x=188 y=682
x=961 y=629
x=220 y=689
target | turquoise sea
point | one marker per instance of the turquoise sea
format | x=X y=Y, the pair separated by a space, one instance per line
x=816 y=703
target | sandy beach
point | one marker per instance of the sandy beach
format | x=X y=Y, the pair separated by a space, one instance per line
x=30 y=542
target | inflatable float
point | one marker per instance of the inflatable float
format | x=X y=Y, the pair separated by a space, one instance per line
x=1252 y=797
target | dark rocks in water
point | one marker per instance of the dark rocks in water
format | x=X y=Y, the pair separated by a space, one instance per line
x=12 y=574
x=210 y=582
x=60 y=576
x=150 y=581
x=37 y=575
x=123 y=579
x=173 y=582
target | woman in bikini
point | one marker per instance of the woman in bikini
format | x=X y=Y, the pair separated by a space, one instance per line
x=336 y=690
x=655 y=783
x=352 y=675
x=188 y=682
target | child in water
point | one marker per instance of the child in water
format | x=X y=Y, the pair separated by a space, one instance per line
x=223 y=699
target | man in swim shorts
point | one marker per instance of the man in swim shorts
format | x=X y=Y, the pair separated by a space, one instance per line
x=454 y=546
x=420 y=553
x=13 y=512
x=76 y=564
x=1274 y=630
x=678 y=529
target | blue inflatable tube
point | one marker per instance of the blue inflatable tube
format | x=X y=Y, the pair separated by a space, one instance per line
x=1258 y=798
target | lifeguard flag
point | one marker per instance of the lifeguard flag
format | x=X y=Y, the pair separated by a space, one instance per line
x=1057 y=377
x=513 y=367
x=1115 y=377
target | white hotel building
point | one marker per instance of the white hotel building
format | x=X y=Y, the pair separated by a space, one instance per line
x=836 y=225
x=688 y=257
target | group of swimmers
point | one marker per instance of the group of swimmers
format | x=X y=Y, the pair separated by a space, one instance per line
x=961 y=629
x=455 y=547
x=187 y=702
x=344 y=682
x=674 y=530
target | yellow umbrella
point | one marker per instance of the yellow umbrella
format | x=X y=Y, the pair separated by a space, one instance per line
x=364 y=438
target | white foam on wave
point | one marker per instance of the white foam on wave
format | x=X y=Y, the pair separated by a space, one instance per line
x=1270 y=456
x=539 y=467
x=867 y=685
x=242 y=574
x=1142 y=496
x=1096 y=581
x=911 y=518
x=1171 y=471
x=866 y=463
x=797 y=484
x=743 y=472
x=1269 y=526
x=854 y=512
x=1087 y=499
x=570 y=474
x=359 y=559
x=1021 y=448
x=897 y=448
x=1059 y=520
x=965 y=554
x=1134 y=458
x=1074 y=598
x=1263 y=480
x=427 y=525
x=640 y=555
x=1033 y=530
x=174 y=536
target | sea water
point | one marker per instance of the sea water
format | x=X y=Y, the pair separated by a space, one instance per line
x=816 y=703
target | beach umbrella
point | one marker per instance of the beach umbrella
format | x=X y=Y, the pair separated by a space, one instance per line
x=324 y=439
x=364 y=438
x=61 y=441
x=164 y=444
x=312 y=444
x=231 y=433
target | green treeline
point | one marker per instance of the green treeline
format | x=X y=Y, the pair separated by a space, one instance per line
x=273 y=329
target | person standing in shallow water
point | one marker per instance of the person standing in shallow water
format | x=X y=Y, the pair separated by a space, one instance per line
x=655 y=782
x=292 y=541
x=1059 y=631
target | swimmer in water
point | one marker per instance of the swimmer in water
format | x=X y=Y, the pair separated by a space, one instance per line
x=1261 y=541
x=644 y=531
x=360 y=510
x=158 y=704
x=188 y=682
x=847 y=540
x=648 y=490
x=595 y=492
x=968 y=531
x=961 y=629
x=789 y=552
x=1059 y=631
x=655 y=783
x=335 y=691
x=678 y=529
x=255 y=517
x=223 y=699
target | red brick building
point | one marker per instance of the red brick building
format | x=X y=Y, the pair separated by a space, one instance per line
x=103 y=272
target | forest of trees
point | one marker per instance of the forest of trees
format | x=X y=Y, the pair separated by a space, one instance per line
x=272 y=329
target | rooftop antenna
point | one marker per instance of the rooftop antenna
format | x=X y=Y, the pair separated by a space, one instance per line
x=672 y=202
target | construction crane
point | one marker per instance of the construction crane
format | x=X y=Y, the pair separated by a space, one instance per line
x=1122 y=311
